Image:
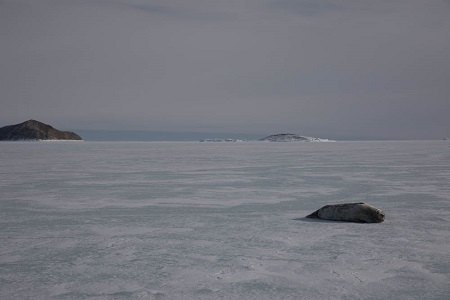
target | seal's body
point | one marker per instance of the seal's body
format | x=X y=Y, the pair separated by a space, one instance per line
x=351 y=212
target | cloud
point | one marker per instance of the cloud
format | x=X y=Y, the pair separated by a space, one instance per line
x=307 y=7
x=328 y=67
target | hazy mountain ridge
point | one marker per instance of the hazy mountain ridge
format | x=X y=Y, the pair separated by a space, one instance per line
x=35 y=130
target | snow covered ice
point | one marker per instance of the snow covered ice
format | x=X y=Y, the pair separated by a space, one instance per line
x=189 y=220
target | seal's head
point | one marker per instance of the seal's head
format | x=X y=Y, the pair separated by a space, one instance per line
x=369 y=214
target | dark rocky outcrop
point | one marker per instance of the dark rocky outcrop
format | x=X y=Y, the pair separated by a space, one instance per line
x=284 y=137
x=34 y=130
x=290 y=137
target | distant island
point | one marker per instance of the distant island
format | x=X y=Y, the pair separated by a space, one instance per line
x=290 y=137
x=281 y=137
x=35 y=130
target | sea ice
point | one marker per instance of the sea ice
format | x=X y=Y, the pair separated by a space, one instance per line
x=188 y=220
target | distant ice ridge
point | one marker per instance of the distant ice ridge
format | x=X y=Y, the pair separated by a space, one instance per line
x=289 y=137
x=221 y=140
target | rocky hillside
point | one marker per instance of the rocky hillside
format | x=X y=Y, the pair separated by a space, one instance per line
x=289 y=137
x=34 y=130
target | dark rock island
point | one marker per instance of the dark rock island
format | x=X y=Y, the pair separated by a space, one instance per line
x=35 y=130
x=290 y=137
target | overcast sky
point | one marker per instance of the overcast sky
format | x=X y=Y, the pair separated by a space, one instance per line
x=327 y=68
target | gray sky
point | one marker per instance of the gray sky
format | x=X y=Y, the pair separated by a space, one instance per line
x=328 y=68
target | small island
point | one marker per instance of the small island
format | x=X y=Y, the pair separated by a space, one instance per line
x=290 y=137
x=35 y=130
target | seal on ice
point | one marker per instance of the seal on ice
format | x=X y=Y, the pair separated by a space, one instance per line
x=350 y=212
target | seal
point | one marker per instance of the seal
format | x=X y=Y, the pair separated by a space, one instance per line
x=350 y=212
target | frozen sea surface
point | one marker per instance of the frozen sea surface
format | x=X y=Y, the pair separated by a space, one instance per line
x=186 y=220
